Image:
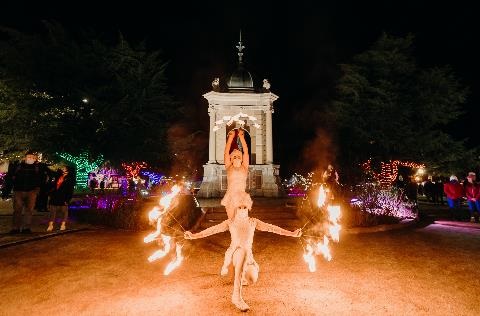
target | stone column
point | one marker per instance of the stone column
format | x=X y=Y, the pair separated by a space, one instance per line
x=211 y=142
x=269 y=144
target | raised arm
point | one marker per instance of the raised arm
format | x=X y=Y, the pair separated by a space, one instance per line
x=226 y=153
x=266 y=227
x=219 y=228
x=246 y=157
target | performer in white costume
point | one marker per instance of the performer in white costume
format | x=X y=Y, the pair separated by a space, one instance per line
x=236 y=164
x=242 y=228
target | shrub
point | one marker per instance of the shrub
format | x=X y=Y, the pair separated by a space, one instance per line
x=132 y=213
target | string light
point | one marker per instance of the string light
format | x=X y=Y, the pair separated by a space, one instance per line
x=153 y=177
x=83 y=165
x=133 y=168
x=389 y=170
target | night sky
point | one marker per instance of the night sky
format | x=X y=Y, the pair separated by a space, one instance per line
x=296 y=46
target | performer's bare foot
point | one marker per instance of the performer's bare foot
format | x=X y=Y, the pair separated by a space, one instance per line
x=240 y=304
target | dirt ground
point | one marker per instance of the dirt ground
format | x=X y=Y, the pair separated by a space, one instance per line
x=415 y=271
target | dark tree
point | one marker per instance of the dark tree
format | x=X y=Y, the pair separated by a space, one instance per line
x=387 y=107
x=81 y=93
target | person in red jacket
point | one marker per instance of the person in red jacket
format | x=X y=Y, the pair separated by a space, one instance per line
x=472 y=191
x=454 y=192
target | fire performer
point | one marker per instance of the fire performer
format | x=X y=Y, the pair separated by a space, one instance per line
x=242 y=229
x=236 y=164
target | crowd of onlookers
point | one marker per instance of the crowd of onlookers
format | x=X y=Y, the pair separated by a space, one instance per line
x=34 y=185
x=451 y=191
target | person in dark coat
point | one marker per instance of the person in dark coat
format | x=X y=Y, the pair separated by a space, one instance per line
x=25 y=178
x=41 y=205
x=411 y=190
x=60 y=196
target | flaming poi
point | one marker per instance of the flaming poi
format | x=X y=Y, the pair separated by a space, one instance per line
x=155 y=217
x=314 y=246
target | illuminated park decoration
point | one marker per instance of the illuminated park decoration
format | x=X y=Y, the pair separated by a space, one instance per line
x=132 y=169
x=154 y=178
x=389 y=170
x=84 y=165
x=298 y=185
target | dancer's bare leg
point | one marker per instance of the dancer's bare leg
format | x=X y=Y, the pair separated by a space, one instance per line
x=239 y=257
x=250 y=275
x=227 y=261
x=230 y=211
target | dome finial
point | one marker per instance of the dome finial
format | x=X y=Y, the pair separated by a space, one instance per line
x=240 y=48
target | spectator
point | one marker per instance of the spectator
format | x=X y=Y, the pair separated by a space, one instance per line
x=399 y=183
x=454 y=192
x=429 y=189
x=102 y=185
x=92 y=184
x=60 y=196
x=41 y=204
x=25 y=178
x=411 y=190
x=438 y=191
x=472 y=193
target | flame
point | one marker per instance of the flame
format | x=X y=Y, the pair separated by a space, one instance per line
x=333 y=213
x=178 y=260
x=324 y=249
x=333 y=217
x=334 y=232
x=322 y=196
x=167 y=199
x=162 y=252
x=333 y=228
x=308 y=257
x=156 y=216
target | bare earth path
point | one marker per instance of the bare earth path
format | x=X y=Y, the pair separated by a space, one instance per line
x=424 y=271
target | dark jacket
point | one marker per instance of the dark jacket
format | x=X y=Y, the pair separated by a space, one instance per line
x=61 y=195
x=24 y=177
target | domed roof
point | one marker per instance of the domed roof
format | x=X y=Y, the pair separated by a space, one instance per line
x=240 y=79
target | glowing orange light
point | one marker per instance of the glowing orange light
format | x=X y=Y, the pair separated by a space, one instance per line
x=155 y=216
x=321 y=196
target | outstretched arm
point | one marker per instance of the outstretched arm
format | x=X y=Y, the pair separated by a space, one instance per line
x=226 y=153
x=219 y=228
x=246 y=157
x=266 y=227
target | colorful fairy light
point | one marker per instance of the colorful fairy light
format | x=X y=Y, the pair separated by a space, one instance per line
x=133 y=168
x=153 y=177
x=83 y=166
x=389 y=170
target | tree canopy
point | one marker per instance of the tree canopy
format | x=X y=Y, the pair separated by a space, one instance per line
x=387 y=107
x=65 y=92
